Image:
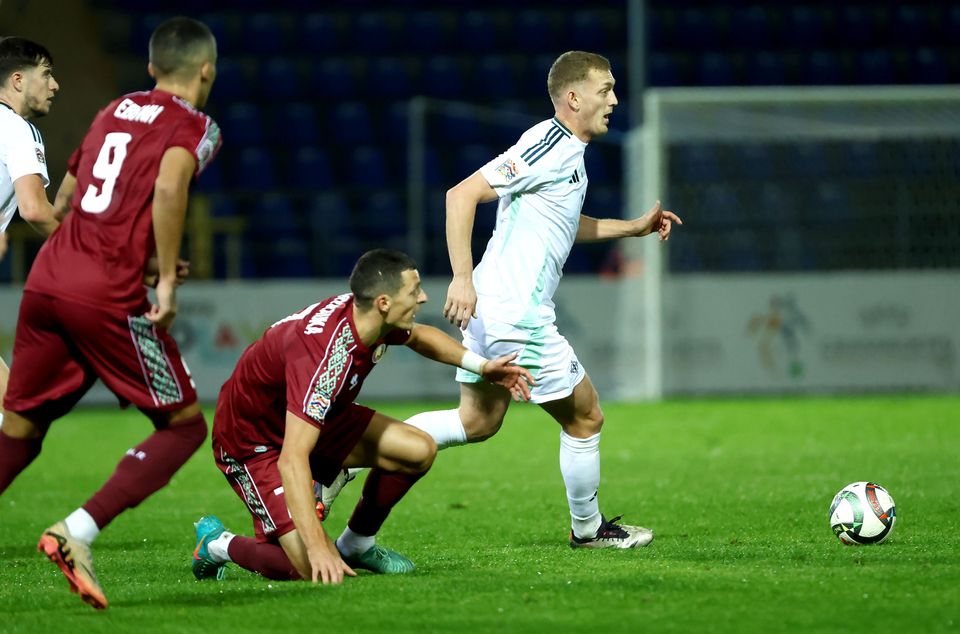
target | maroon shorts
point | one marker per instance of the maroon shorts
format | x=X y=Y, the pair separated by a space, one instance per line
x=257 y=479
x=62 y=347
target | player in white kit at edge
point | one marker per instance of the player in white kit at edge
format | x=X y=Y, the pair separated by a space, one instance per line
x=506 y=304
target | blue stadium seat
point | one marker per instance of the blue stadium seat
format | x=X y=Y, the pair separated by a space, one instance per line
x=538 y=30
x=283 y=76
x=334 y=77
x=822 y=68
x=391 y=78
x=481 y=32
x=861 y=159
x=444 y=77
x=295 y=123
x=242 y=123
x=429 y=32
x=223 y=207
x=383 y=215
x=875 y=67
x=862 y=26
x=378 y=31
x=805 y=27
x=432 y=169
x=232 y=81
x=255 y=169
x=322 y=33
x=917 y=25
x=495 y=73
x=602 y=167
x=368 y=168
x=220 y=26
x=720 y=206
x=765 y=68
x=594 y=30
x=396 y=123
x=263 y=34
x=352 y=123
x=467 y=159
x=310 y=169
x=334 y=248
x=716 y=69
x=606 y=201
x=698 y=28
x=753 y=27
x=454 y=128
x=275 y=216
x=211 y=179
x=811 y=159
x=665 y=69
x=928 y=66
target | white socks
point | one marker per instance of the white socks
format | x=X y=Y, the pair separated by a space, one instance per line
x=352 y=544
x=444 y=426
x=82 y=526
x=217 y=548
x=580 y=467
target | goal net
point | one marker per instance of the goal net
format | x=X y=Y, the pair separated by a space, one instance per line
x=784 y=187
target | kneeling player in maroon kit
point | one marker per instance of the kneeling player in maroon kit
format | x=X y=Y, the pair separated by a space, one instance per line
x=287 y=417
x=85 y=313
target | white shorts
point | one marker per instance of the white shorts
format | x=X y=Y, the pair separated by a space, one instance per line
x=543 y=351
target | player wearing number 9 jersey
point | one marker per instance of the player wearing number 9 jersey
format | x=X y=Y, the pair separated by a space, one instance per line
x=85 y=313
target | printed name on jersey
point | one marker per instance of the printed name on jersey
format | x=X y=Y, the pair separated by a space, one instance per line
x=336 y=364
x=508 y=169
x=319 y=319
x=129 y=110
x=40 y=157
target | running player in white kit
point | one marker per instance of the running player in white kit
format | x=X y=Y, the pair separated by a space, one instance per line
x=506 y=304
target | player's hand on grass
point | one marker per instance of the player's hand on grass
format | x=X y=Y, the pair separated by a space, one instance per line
x=327 y=566
x=657 y=219
x=503 y=372
x=461 y=302
x=165 y=310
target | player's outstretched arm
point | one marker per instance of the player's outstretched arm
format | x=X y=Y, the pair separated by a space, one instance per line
x=656 y=219
x=462 y=201
x=33 y=204
x=170 y=193
x=435 y=344
x=318 y=560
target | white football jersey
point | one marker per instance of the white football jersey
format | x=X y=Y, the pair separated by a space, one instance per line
x=542 y=182
x=21 y=153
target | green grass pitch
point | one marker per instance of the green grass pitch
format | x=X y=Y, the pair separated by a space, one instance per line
x=737 y=492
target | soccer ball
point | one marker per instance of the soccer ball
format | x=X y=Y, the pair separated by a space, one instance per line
x=862 y=513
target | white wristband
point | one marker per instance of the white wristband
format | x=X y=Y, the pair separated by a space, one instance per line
x=472 y=362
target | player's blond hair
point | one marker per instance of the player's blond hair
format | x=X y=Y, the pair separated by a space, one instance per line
x=573 y=67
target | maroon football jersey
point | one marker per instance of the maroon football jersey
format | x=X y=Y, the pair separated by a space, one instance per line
x=99 y=253
x=311 y=363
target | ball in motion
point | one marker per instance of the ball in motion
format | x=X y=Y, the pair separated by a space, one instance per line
x=862 y=513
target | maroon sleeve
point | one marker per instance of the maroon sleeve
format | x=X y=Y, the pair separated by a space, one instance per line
x=200 y=135
x=308 y=395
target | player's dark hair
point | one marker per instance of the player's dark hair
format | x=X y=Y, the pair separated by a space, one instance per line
x=180 y=43
x=19 y=53
x=573 y=67
x=378 y=272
